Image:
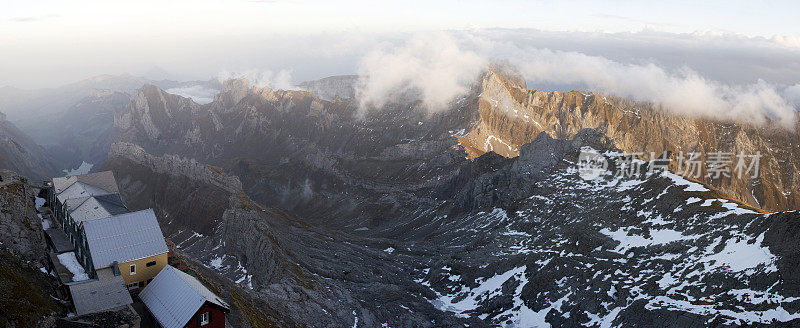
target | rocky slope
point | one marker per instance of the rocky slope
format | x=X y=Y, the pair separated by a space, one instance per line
x=19 y=153
x=511 y=115
x=338 y=219
x=294 y=274
x=523 y=242
x=304 y=154
x=652 y=251
x=29 y=297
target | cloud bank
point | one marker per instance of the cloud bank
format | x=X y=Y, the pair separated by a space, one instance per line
x=281 y=79
x=441 y=66
x=430 y=66
x=199 y=93
x=682 y=91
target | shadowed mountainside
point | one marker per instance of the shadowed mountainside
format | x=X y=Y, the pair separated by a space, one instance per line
x=301 y=152
x=293 y=273
x=19 y=153
x=538 y=245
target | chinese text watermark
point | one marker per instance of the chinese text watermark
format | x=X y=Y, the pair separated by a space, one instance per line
x=716 y=165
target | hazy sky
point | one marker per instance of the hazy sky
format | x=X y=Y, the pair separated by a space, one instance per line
x=48 y=43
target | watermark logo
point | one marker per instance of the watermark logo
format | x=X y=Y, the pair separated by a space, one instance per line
x=591 y=164
x=715 y=165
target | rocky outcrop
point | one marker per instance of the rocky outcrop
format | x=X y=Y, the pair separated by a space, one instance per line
x=157 y=115
x=511 y=116
x=29 y=297
x=20 y=228
x=171 y=182
x=176 y=165
x=517 y=179
x=332 y=87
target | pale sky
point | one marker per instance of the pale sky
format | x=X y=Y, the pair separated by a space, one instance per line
x=99 y=20
x=47 y=43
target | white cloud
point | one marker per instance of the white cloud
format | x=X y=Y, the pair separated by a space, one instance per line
x=200 y=94
x=281 y=79
x=787 y=40
x=682 y=91
x=431 y=66
x=793 y=94
x=439 y=67
x=727 y=57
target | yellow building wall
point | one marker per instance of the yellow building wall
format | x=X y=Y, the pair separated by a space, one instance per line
x=143 y=272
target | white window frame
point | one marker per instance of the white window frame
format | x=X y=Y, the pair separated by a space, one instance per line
x=133 y=269
x=205 y=318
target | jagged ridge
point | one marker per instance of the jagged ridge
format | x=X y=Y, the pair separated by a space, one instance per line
x=511 y=115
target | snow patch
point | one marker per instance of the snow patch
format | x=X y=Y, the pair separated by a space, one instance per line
x=82 y=169
x=766 y=316
x=71 y=263
x=39 y=202
x=681 y=181
x=487 y=289
x=657 y=237
x=739 y=255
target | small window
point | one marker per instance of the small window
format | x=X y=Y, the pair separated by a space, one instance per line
x=133 y=269
x=151 y=263
x=205 y=318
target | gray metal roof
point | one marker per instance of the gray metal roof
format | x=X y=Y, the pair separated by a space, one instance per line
x=173 y=297
x=60 y=241
x=93 y=184
x=99 y=295
x=95 y=207
x=202 y=289
x=124 y=238
x=79 y=190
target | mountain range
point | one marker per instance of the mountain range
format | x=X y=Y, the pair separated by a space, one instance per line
x=304 y=210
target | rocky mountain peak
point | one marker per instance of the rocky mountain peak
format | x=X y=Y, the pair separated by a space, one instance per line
x=155 y=112
x=233 y=91
x=500 y=115
x=508 y=73
x=509 y=116
x=332 y=87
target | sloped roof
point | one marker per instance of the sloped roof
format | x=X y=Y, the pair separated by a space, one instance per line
x=124 y=238
x=92 y=184
x=95 y=207
x=100 y=295
x=173 y=297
